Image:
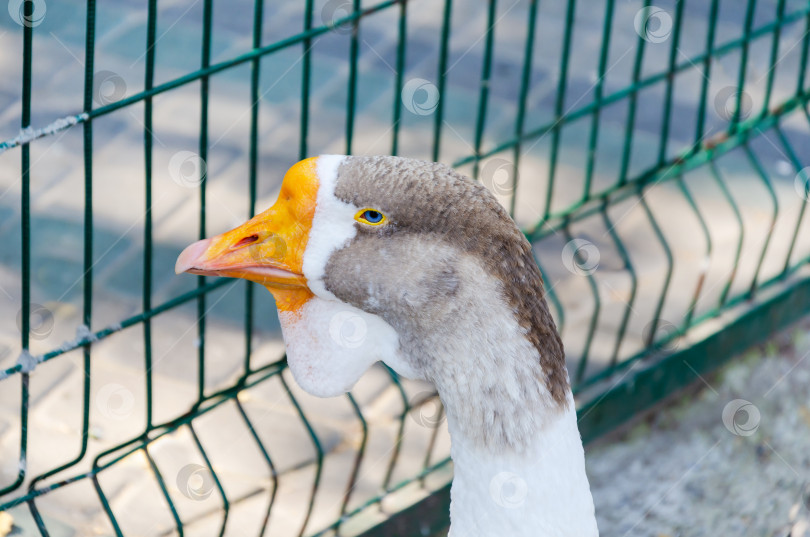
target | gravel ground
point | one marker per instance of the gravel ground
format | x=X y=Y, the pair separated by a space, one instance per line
x=730 y=456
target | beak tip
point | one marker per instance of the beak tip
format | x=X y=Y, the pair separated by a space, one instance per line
x=190 y=256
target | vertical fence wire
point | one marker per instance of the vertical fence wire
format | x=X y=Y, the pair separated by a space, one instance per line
x=164 y=490
x=661 y=237
x=774 y=201
x=441 y=79
x=205 y=62
x=270 y=465
x=87 y=275
x=670 y=84
x=226 y=506
x=703 y=103
x=559 y=103
x=253 y=170
x=774 y=58
x=738 y=107
x=306 y=68
x=351 y=94
x=629 y=128
x=797 y=165
x=520 y=119
x=25 y=251
x=593 y=138
x=704 y=265
x=402 y=38
x=631 y=271
x=483 y=95
x=627 y=185
x=148 y=137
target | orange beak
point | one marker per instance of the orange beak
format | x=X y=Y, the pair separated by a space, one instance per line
x=269 y=248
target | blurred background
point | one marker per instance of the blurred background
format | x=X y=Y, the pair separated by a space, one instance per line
x=656 y=155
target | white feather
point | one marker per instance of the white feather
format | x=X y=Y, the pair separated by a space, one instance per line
x=541 y=493
x=331 y=344
x=332 y=225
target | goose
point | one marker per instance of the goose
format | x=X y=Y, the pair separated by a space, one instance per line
x=444 y=288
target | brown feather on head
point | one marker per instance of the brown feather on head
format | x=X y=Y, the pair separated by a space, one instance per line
x=429 y=199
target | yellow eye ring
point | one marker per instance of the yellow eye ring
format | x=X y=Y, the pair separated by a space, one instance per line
x=372 y=217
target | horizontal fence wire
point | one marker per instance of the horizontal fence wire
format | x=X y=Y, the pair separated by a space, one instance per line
x=597 y=354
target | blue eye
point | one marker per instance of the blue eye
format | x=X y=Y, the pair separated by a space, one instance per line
x=370 y=216
x=373 y=216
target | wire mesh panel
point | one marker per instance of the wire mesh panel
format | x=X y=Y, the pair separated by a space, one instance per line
x=654 y=154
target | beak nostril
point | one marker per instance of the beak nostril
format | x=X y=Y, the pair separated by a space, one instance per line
x=247 y=240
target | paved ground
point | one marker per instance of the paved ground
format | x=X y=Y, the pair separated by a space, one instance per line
x=729 y=457
x=118 y=398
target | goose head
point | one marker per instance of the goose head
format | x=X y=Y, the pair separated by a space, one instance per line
x=411 y=263
x=408 y=262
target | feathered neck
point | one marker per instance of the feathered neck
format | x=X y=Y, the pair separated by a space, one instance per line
x=519 y=464
x=540 y=492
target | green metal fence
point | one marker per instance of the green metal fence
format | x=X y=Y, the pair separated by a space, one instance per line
x=689 y=327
